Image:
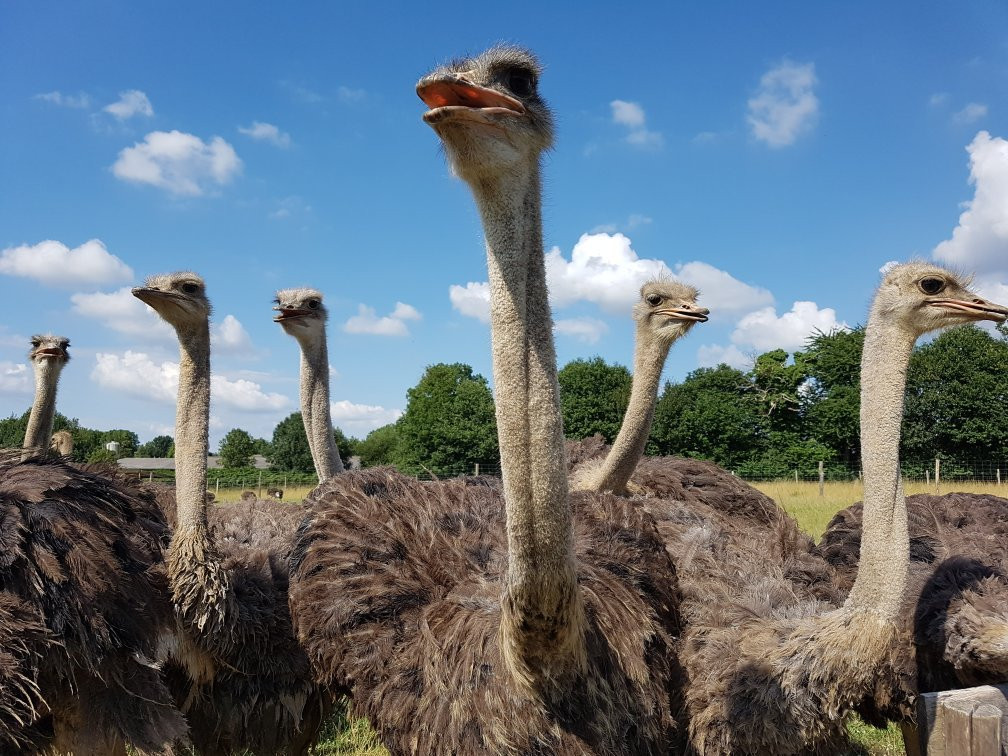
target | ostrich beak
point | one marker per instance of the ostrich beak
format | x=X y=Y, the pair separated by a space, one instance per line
x=52 y=352
x=976 y=308
x=150 y=296
x=686 y=312
x=289 y=313
x=446 y=93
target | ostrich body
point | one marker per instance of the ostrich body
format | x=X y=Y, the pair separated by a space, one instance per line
x=466 y=620
x=954 y=615
x=301 y=314
x=237 y=668
x=82 y=599
x=783 y=682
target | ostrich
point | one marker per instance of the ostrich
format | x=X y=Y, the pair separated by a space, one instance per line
x=782 y=682
x=83 y=604
x=301 y=314
x=954 y=615
x=244 y=679
x=62 y=443
x=461 y=619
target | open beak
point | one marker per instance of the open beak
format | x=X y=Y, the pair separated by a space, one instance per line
x=976 y=308
x=289 y=313
x=686 y=312
x=446 y=93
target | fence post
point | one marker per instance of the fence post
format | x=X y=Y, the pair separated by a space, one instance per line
x=259 y=489
x=285 y=482
x=937 y=476
x=999 y=476
x=822 y=479
x=217 y=489
x=477 y=469
x=796 y=476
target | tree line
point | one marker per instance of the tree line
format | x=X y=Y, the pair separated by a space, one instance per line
x=788 y=412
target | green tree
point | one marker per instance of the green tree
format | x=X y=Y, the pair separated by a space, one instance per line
x=347 y=445
x=713 y=414
x=289 y=449
x=593 y=397
x=236 y=449
x=832 y=395
x=127 y=440
x=449 y=422
x=379 y=447
x=777 y=386
x=159 y=446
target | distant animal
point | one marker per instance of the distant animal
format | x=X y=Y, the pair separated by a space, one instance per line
x=62 y=443
x=274 y=493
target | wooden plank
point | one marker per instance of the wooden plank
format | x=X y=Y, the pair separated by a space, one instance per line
x=986 y=735
x=911 y=739
x=956 y=715
x=930 y=723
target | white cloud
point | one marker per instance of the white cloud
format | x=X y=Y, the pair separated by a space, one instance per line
x=350 y=94
x=785 y=105
x=720 y=291
x=472 y=300
x=980 y=241
x=230 y=336
x=15 y=378
x=712 y=355
x=360 y=419
x=132 y=102
x=121 y=311
x=266 y=132
x=393 y=324
x=974 y=111
x=52 y=263
x=938 y=99
x=631 y=115
x=80 y=101
x=177 y=162
x=765 y=330
x=136 y=374
x=587 y=330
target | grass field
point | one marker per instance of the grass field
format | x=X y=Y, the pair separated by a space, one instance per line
x=352 y=737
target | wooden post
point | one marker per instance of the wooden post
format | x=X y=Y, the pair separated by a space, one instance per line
x=259 y=489
x=937 y=476
x=217 y=489
x=927 y=477
x=999 y=476
x=285 y=482
x=822 y=479
x=968 y=721
x=795 y=476
x=150 y=479
x=477 y=469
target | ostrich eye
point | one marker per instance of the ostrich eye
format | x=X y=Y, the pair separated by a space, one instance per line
x=190 y=288
x=931 y=285
x=520 y=82
x=313 y=304
x=654 y=300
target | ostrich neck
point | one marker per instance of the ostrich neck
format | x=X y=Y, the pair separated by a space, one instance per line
x=649 y=359
x=315 y=407
x=43 y=411
x=191 y=429
x=540 y=603
x=882 y=570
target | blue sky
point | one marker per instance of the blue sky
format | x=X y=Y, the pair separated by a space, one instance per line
x=776 y=154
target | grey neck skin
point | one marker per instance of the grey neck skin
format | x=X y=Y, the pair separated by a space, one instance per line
x=38 y=434
x=192 y=418
x=628 y=448
x=315 y=406
x=885 y=548
x=541 y=604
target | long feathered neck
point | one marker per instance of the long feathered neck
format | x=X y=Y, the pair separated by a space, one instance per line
x=650 y=353
x=40 y=421
x=315 y=406
x=882 y=570
x=541 y=628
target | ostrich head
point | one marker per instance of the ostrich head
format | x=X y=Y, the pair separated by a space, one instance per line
x=488 y=112
x=300 y=312
x=924 y=297
x=668 y=309
x=49 y=348
x=180 y=298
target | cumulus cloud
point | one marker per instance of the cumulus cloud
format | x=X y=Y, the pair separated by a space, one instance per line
x=980 y=240
x=587 y=330
x=765 y=330
x=136 y=374
x=15 y=378
x=180 y=163
x=231 y=337
x=266 y=132
x=393 y=324
x=720 y=291
x=122 y=312
x=974 y=111
x=52 y=263
x=131 y=103
x=350 y=94
x=712 y=355
x=360 y=419
x=631 y=115
x=785 y=105
x=472 y=300
x=80 y=101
